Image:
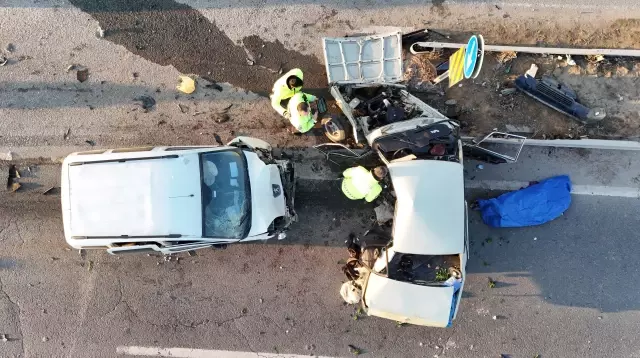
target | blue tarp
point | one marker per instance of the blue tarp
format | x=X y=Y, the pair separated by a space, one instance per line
x=533 y=205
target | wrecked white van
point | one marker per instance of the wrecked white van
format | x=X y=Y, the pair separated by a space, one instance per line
x=175 y=199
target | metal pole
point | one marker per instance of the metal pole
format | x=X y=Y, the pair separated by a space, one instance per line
x=533 y=49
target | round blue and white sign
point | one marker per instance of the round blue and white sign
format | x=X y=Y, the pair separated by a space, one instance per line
x=470 y=56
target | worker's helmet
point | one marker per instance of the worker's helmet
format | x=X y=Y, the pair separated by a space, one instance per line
x=380 y=172
x=294 y=82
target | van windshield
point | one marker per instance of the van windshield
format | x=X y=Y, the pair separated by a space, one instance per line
x=226 y=194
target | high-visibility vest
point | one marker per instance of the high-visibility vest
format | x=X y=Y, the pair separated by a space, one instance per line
x=301 y=123
x=281 y=90
x=359 y=183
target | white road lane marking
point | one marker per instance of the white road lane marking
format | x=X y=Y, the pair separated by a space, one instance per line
x=595 y=190
x=199 y=353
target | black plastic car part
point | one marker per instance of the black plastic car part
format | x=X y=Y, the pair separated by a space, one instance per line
x=559 y=97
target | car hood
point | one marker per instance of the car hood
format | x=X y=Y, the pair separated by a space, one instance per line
x=267 y=194
x=408 y=303
x=430 y=208
x=151 y=197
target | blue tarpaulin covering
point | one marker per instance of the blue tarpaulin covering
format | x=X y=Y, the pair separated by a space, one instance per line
x=534 y=205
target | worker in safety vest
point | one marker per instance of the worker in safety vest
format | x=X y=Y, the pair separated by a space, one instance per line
x=302 y=112
x=359 y=183
x=284 y=88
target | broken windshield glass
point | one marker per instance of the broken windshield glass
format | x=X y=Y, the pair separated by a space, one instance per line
x=226 y=194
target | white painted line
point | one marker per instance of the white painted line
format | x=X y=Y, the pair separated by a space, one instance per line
x=199 y=353
x=595 y=190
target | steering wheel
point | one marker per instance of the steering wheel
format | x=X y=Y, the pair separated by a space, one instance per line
x=402 y=152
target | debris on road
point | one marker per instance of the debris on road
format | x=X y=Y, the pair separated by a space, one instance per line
x=354 y=350
x=147 y=102
x=10 y=47
x=250 y=62
x=100 y=32
x=90 y=142
x=508 y=91
x=492 y=283
x=82 y=75
x=558 y=96
x=187 y=84
x=44 y=339
x=90 y=266
x=518 y=129
x=48 y=191
x=183 y=108
x=4 y=338
x=3 y=60
x=12 y=183
x=67 y=134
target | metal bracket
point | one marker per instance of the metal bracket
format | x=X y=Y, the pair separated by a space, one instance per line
x=501 y=135
x=352 y=154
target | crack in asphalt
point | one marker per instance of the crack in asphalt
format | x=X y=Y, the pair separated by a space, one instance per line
x=174 y=326
x=6 y=295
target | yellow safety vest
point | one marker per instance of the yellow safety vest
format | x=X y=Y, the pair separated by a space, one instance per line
x=301 y=123
x=281 y=90
x=359 y=183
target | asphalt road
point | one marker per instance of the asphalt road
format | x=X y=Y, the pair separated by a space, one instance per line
x=561 y=287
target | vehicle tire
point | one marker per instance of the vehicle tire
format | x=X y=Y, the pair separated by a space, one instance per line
x=335 y=128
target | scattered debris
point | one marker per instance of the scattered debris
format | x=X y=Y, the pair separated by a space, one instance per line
x=570 y=61
x=192 y=253
x=595 y=58
x=494 y=318
x=44 y=339
x=518 y=129
x=90 y=142
x=147 y=102
x=217 y=138
x=492 y=283
x=221 y=117
x=310 y=347
x=82 y=75
x=212 y=83
x=197 y=113
x=90 y=266
x=558 y=96
x=4 y=338
x=452 y=109
x=10 y=47
x=12 y=183
x=3 y=60
x=250 y=62
x=260 y=300
x=183 y=108
x=135 y=75
x=508 y=91
x=506 y=56
x=100 y=32
x=480 y=166
x=187 y=84
x=354 y=350
x=72 y=67
x=535 y=239
x=67 y=134
x=46 y=192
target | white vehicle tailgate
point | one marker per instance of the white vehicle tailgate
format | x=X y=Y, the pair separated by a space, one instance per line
x=406 y=302
x=364 y=59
